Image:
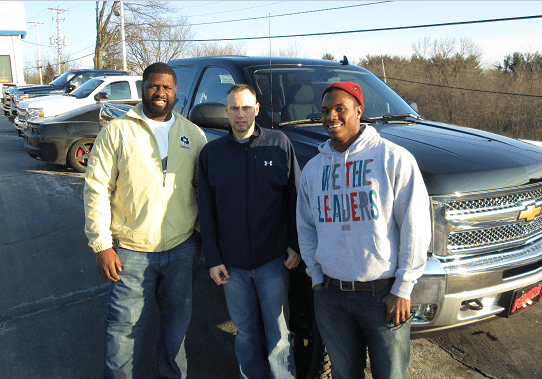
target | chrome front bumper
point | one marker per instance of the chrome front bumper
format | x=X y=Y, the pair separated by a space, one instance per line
x=485 y=281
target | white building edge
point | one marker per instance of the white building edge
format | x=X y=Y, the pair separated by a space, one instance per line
x=12 y=31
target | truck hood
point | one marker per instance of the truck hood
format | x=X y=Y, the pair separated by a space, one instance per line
x=455 y=159
x=42 y=89
x=57 y=104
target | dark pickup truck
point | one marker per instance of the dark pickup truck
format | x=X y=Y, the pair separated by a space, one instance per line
x=64 y=84
x=485 y=258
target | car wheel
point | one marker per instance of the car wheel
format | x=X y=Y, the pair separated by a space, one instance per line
x=78 y=154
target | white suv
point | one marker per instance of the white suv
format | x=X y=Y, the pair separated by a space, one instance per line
x=115 y=89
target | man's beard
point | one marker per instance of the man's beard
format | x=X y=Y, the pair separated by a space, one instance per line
x=153 y=110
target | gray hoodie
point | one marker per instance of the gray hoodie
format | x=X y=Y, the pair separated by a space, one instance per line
x=363 y=214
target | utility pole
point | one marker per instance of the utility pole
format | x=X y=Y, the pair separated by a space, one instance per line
x=36 y=23
x=59 y=41
x=123 y=35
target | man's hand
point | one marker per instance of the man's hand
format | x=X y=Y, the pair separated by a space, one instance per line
x=219 y=274
x=293 y=259
x=398 y=309
x=317 y=287
x=108 y=264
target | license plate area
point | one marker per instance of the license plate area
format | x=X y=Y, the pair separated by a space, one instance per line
x=525 y=298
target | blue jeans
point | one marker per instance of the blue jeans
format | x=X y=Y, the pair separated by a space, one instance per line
x=351 y=322
x=253 y=297
x=165 y=278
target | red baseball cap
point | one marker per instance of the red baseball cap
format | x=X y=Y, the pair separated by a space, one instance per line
x=352 y=88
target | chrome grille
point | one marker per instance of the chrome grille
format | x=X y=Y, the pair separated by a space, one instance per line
x=493 y=203
x=476 y=223
x=23 y=114
x=481 y=237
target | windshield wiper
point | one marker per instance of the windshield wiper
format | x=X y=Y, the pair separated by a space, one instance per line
x=391 y=117
x=305 y=121
x=318 y=120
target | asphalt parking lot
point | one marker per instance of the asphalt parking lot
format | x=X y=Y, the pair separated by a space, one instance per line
x=52 y=302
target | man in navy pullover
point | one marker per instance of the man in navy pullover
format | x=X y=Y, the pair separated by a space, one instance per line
x=248 y=194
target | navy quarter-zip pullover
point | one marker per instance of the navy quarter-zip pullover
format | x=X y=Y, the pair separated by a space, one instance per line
x=248 y=195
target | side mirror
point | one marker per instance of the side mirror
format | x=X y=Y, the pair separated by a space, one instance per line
x=210 y=115
x=71 y=87
x=101 y=96
x=413 y=105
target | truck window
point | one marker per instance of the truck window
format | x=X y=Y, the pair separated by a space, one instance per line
x=117 y=90
x=294 y=92
x=214 y=86
x=185 y=75
x=86 y=88
x=138 y=86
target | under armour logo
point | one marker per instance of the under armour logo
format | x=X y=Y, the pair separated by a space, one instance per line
x=185 y=140
x=266 y=163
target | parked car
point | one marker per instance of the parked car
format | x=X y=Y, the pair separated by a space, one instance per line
x=112 y=88
x=485 y=258
x=66 y=139
x=63 y=84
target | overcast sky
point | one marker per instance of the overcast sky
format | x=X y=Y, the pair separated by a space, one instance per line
x=495 y=39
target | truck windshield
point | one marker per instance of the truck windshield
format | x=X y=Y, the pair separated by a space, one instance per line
x=86 y=88
x=294 y=92
x=63 y=79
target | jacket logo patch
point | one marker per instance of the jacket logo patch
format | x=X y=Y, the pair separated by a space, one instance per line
x=268 y=163
x=185 y=142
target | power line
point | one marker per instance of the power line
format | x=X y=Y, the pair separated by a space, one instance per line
x=287 y=14
x=201 y=5
x=75 y=59
x=464 y=89
x=354 y=31
x=237 y=10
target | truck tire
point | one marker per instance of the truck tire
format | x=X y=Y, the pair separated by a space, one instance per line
x=318 y=366
x=309 y=350
x=78 y=154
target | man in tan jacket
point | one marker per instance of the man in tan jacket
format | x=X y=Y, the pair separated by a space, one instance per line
x=141 y=206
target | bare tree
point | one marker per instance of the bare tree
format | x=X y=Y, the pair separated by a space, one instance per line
x=139 y=18
x=107 y=31
x=210 y=49
x=292 y=50
x=160 y=41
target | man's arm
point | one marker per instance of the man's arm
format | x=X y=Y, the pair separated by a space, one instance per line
x=293 y=185
x=208 y=215
x=411 y=211
x=308 y=237
x=100 y=179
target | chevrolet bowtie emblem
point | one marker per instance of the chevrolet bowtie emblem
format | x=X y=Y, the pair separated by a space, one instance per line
x=530 y=213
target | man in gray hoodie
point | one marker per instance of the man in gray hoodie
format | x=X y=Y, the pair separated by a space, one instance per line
x=364 y=228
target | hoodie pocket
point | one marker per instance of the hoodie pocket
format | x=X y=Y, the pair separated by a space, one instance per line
x=380 y=258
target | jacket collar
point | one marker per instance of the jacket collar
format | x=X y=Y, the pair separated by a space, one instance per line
x=257 y=130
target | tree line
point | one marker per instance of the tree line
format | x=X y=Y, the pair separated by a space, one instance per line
x=449 y=85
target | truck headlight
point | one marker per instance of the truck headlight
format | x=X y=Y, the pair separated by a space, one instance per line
x=34 y=113
x=20 y=97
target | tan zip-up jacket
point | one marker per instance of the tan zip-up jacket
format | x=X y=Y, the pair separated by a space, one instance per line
x=128 y=197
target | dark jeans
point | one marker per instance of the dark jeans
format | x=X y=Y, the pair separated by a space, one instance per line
x=351 y=322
